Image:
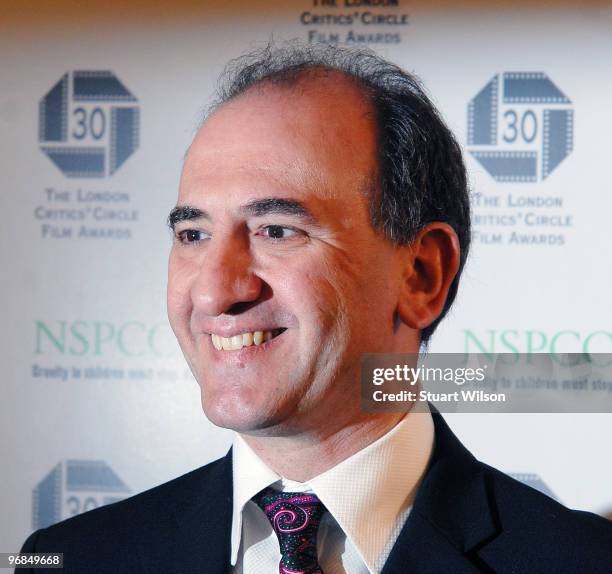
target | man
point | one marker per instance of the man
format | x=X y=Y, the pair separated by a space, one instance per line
x=323 y=213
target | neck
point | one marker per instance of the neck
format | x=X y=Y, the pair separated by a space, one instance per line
x=300 y=457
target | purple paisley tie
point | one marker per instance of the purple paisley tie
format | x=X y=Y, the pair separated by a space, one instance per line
x=295 y=517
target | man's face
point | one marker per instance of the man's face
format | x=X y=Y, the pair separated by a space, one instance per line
x=273 y=240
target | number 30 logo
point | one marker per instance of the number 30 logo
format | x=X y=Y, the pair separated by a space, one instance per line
x=534 y=122
x=93 y=123
x=88 y=124
x=72 y=487
x=526 y=127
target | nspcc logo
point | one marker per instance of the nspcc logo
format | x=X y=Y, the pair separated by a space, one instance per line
x=73 y=487
x=88 y=124
x=520 y=127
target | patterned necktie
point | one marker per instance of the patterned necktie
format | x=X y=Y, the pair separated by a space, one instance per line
x=295 y=517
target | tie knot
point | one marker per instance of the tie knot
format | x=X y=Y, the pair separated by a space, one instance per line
x=295 y=517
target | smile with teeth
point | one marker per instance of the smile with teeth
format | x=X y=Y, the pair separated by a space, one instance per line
x=243 y=340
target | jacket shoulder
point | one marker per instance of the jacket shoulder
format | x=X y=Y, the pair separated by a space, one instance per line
x=129 y=520
x=540 y=529
x=520 y=502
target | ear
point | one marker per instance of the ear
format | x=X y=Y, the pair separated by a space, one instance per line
x=428 y=274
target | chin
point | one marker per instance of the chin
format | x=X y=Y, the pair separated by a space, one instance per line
x=234 y=414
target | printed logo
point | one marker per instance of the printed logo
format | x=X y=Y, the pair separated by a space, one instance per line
x=73 y=487
x=520 y=127
x=88 y=125
x=516 y=341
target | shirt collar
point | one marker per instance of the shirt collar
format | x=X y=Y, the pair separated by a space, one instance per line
x=367 y=493
x=250 y=476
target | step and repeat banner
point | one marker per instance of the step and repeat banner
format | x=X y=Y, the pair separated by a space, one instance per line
x=96 y=112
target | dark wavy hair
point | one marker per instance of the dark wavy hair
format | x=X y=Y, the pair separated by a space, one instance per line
x=421 y=175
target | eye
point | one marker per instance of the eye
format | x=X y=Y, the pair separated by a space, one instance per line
x=189 y=236
x=279 y=232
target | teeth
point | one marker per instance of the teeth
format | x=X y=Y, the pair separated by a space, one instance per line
x=244 y=340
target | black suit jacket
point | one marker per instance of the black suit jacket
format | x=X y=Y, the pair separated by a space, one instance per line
x=467 y=518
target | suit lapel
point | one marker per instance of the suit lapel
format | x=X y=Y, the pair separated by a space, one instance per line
x=196 y=540
x=451 y=517
x=451 y=520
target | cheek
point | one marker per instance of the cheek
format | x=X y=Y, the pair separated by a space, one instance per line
x=321 y=296
x=366 y=292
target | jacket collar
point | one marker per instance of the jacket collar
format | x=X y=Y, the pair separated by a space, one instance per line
x=451 y=520
x=191 y=532
x=452 y=516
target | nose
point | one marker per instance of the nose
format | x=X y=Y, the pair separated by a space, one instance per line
x=225 y=280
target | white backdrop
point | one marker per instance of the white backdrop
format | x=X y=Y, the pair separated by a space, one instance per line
x=97 y=403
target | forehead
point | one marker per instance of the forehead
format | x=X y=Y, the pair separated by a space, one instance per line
x=314 y=137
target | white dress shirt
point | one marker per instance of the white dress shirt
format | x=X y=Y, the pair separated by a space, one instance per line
x=368 y=495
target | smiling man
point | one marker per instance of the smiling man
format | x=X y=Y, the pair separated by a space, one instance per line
x=278 y=281
x=323 y=213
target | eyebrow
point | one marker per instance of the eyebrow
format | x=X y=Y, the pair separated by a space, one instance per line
x=255 y=208
x=185 y=213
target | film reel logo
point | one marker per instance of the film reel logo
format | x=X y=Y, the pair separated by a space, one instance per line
x=520 y=127
x=73 y=487
x=88 y=125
